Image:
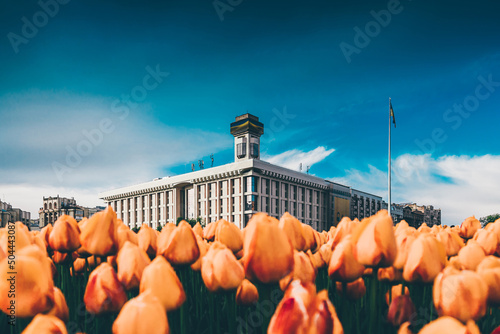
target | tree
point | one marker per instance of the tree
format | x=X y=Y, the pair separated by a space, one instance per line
x=489 y=219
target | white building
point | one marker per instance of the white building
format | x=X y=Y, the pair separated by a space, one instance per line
x=234 y=191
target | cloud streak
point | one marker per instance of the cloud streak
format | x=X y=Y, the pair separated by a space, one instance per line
x=291 y=159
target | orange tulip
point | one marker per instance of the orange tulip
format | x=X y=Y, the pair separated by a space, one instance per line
x=163 y=238
x=203 y=247
x=303 y=270
x=390 y=274
x=147 y=240
x=160 y=278
x=451 y=241
x=46 y=324
x=395 y=291
x=124 y=234
x=316 y=259
x=230 y=235
x=45 y=233
x=143 y=314
x=426 y=259
x=325 y=252
x=374 y=241
x=489 y=262
x=471 y=255
x=354 y=290
x=405 y=328
x=33 y=283
x=487 y=240
x=449 y=325
x=99 y=235
x=404 y=240
x=460 y=295
x=209 y=231
x=291 y=315
x=293 y=229
x=104 y=292
x=492 y=279
x=198 y=230
x=344 y=228
x=268 y=252
x=469 y=227
x=182 y=247
x=309 y=237
x=131 y=261
x=247 y=293
x=60 y=308
x=64 y=258
x=343 y=266
x=401 y=310
x=65 y=235
x=220 y=269
x=324 y=317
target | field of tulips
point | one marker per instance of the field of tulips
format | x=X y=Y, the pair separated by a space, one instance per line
x=98 y=276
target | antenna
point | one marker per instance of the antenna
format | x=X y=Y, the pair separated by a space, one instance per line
x=192 y=167
x=212 y=157
x=200 y=163
x=308 y=169
x=300 y=167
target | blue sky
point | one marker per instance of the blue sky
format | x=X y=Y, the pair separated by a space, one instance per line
x=72 y=75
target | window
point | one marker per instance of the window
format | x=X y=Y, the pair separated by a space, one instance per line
x=254 y=150
x=241 y=148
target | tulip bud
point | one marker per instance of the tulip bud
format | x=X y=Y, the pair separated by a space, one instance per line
x=203 y=247
x=99 y=235
x=64 y=258
x=471 y=255
x=182 y=247
x=230 y=235
x=316 y=259
x=449 y=325
x=46 y=324
x=489 y=262
x=220 y=269
x=324 y=317
x=426 y=259
x=143 y=314
x=291 y=315
x=343 y=266
x=395 y=291
x=487 y=240
x=325 y=252
x=293 y=229
x=462 y=296
x=131 y=261
x=344 y=228
x=60 y=308
x=492 y=279
x=374 y=241
x=45 y=233
x=160 y=278
x=404 y=240
x=124 y=234
x=34 y=287
x=104 y=292
x=400 y=310
x=268 y=252
x=65 y=235
x=147 y=240
x=451 y=242
x=354 y=290
x=469 y=227
x=209 y=231
x=247 y=293
x=405 y=328
x=390 y=274
x=309 y=237
x=198 y=230
x=163 y=238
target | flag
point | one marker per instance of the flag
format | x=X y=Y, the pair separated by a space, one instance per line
x=392 y=114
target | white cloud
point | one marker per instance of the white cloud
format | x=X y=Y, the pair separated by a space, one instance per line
x=460 y=185
x=39 y=129
x=291 y=159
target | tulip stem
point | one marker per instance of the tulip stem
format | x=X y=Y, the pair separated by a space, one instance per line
x=373 y=303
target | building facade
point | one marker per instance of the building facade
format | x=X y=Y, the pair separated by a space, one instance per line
x=431 y=216
x=364 y=205
x=234 y=191
x=9 y=214
x=54 y=207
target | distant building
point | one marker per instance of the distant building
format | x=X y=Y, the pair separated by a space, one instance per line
x=364 y=204
x=10 y=214
x=237 y=190
x=415 y=215
x=54 y=207
x=397 y=213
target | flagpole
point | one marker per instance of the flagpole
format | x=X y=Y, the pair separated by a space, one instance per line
x=389 y=167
